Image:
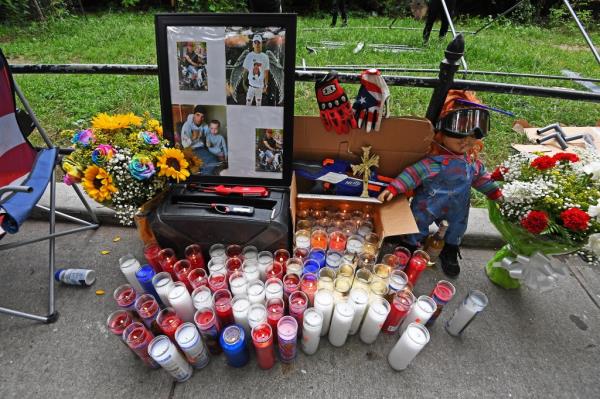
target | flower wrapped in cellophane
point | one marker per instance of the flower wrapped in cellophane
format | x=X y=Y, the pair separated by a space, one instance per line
x=551 y=206
x=122 y=162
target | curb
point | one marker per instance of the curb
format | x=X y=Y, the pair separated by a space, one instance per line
x=480 y=232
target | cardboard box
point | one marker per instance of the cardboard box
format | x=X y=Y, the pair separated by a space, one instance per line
x=400 y=143
x=551 y=147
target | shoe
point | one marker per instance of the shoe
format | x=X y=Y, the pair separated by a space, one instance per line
x=449 y=259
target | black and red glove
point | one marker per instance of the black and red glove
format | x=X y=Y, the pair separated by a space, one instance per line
x=336 y=111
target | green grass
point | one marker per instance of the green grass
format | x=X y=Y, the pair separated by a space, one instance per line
x=129 y=39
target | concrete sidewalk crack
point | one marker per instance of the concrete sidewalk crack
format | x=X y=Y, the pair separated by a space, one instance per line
x=581 y=279
x=172 y=391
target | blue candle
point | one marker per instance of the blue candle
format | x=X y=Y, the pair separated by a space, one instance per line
x=310 y=266
x=233 y=342
x=144 y=276
x=317 y=255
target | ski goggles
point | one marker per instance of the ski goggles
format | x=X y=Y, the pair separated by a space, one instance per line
x=465 y=122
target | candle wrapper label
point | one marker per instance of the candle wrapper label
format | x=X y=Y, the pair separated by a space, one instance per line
x=82 y=277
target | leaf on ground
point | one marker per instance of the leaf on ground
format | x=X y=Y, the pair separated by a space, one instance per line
x=105 y=252
x=117 y=239
x=100 y=292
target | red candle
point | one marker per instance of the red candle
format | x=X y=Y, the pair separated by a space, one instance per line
x=301 y=253
x=337 y=241
x=403 y=255
x=275 y=270
x=262 y=337
x=193 y=253
x=209 y=327
x=415 y=267
x=318 y=239
x=298 y=304
x=234 y=251
x=232 y=265
x=151 y=253
x=223 y=308
x=118 y=321
x=291 y=283
x=168 y=321
x=125 y=296
x=308 y=285
x=275 y=311
x=401 y=304
x=138 y=338
x=217 y=281
x=281 y=256
x=181 y=270
x=197 y=278
x=167 y=260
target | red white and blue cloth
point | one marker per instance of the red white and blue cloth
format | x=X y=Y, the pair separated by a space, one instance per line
x=372 y=101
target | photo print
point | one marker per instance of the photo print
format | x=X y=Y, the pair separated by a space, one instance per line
x=269 y=150
x=192 y=60
x=255 y=66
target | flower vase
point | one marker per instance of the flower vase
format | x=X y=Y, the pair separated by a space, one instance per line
x=498 y=275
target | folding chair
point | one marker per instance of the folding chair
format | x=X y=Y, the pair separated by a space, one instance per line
x=25 y=173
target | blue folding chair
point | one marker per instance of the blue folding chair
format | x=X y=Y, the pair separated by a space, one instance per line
x=25 y=173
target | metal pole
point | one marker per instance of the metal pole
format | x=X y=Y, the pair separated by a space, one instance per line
x=51 y=244
x=583 y=31
x=462 y=58
x=498 y=16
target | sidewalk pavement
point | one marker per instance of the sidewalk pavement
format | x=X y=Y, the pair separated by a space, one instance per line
x=524 y=344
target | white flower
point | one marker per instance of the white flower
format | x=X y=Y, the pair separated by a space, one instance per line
x=593 y=169
x=594 y=210
x=594 y=243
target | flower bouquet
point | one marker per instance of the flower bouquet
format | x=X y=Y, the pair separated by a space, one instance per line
x=550 y=206
x=123 y=162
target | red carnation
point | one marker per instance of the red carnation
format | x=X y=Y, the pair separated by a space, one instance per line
x=498 y=173
x=544 y=162
x=535 y=222
x=575 y=219
x=565 y=156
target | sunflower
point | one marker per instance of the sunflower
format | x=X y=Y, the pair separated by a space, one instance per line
x=193 y=160
x=104 y=121
x=172 y=164
x=98 y=183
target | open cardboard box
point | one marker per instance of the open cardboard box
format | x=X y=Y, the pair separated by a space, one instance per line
x=399 y=143
x=552 y=147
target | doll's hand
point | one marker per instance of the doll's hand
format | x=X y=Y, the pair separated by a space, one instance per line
x=385 y=196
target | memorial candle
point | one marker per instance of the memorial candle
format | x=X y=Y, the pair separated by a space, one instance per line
x=233 y=251
x=240 y=306
x=167 y=260
x=441 y=294
x=291 y=283
x=337 y=241
x=151 y=253
x=474 y=303
x=238 y=283
x=256 y=292
x=265 y=259
x=250 y=270
x=281 y=256
x=365 y=228
x=163 y=283
x=298 y=303
x=366 y=261
x=326 y=278
x=341 y=288
x=378 y=288
x=414 y=338
x=208 y=324
x=345 y=270
x=125 y=296
x=376 y=315
x=391 y=260
x=216 y=265
x=232 y=265
x=188 y=338
x=222 y=301
x=257 y=314
x=382 y=270
x=310 y=266
x=162 y=350
x=318 y=255
x=181 y=301
x=287 y=338
x=181 y=270
x=301 y=253
x=362 y=279
x=193 y=254
x=311 y=331
x=233 y=342
x=250 y=252
x=333 y=259
x=275 y=270
x=416 y=265
x=318 y=239
x=355 y=244
x=397 y=282
x=147 y=308
x=273 y=289
x=309 y=285
x=144 y=275
x=275 y=311
x=294 y=265
x=138 y=337
x=302 y=239
x=420 y=312
x=318 y=213
x=118 y=321
x=202 y=297
x=348 y=228
x=401 y=303
x=341 y=322
x=324 y=303
x=217 y=281
x=129 y=266
x=168 y=321
x=197 y=278
x=262 y=338
x=403 y=255
x=359 y=297
x=217 y=251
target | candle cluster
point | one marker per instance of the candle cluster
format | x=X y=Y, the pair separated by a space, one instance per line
x=274 y=302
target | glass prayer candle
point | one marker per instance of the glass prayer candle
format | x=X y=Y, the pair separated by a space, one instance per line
x=163 y=284
x=257 y=314
x=129 y=267
x=262 y=338
x=193 y=254
x=197 y=278
x=118 y=321
x=217 y=251
x=216 y=265
x=416 y=265
x=318 y=255
x=355 y=244
x=309 y=285
x=250 y=252
x=298 y=303
x=181 y=300
x=333 y=259
x=202 y=297
x=332 y=229
x=233 y=251
x=360 y=301
x=241 y=306
x=324 y=302
x=301 y=253
x=370 y=248
x=346 y=270
x=326 y=278
x=162 y=350
x=232 y=265
x=366 y=260
x=382 y=270
x=420 y=312
x=168 y=321
x=302 y=239
x=341 y=288
x=358 y=214
x=337 y=241
x=275 y=311
x=362 y=279
x=291 y=283
x=265 y=259
x=151 y=253
x=474 y=303
x=397 y=282
x=373 y=238
x=400 y=306
x=365 y=228
x=222 y=301
x=378 y=288
x=256 y=292
x=217 y=281
x=238 y=283
x=233 y=342
x=304 y=224
x=287 y=338
x=376 y=316
x=147 y=308
x=167 y=260
x=318 y=240
x=331 y=211
x=250 y=270
x=138 y=337
x=348 y=228
x=318 y=213
x=391 y=260
x=188 y=338
x=281 y=256
x=181 y=269
x=414 y=338
x=311 y=330
x=441 y=294
x=310 y=266
x=208 y=324
x=273 y=289
x=341 y=322
x=303 y=213
x=403 y=255
x=324 y=222
x=294 y=265
x=349 y=258
x=144 y=275
x=275 y=270
x=125 y=296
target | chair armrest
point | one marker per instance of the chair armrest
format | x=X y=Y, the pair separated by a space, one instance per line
x=14 y=189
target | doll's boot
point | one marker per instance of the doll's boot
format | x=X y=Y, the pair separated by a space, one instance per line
x=449 y=259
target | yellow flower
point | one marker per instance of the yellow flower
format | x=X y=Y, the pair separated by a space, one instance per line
x=172 y=164
x=104 y=121
x=98 y=183
x=154 y=125
x=71 y=167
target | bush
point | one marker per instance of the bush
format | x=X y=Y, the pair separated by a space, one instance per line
x=211 y=5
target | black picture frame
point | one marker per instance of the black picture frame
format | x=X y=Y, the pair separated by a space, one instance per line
x=285 y=21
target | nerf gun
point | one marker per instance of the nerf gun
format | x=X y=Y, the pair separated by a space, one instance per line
x=332 y=176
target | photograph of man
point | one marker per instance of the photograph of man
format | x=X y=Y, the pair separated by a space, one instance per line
x=193 y=134
x=256 y=68
x=269 y=151
x=215 y=142
x=192 y=61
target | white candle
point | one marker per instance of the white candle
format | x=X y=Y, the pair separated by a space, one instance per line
x=294 y=265
x=250 y=252
x=240 y=306
x=355 y=244
x=216 y=266
x=202 y=298
x=334 y=259
x=217 y=251
x=181 y=301
x=164 y=352
x=365 y=229
x=474 y=303
x=420 y=312
x=257 y=314
x=360 y=299
x=250 y=269
x=129 y=266
x=302 y=240
x=265 y=259
x=408 y=346
x=163 y=284
x=256 y=292
x=376 y=315
x=311 y=331
x=273 y=289
x=238 y=284
x=189 y=340
x=340 y=323
x=324 y=302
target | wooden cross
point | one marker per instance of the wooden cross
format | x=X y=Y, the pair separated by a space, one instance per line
x=364 y=168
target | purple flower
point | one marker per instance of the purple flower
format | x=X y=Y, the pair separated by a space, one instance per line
x=149 y=137
x=83 y=137
x=141 y=167
x=102 y=153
